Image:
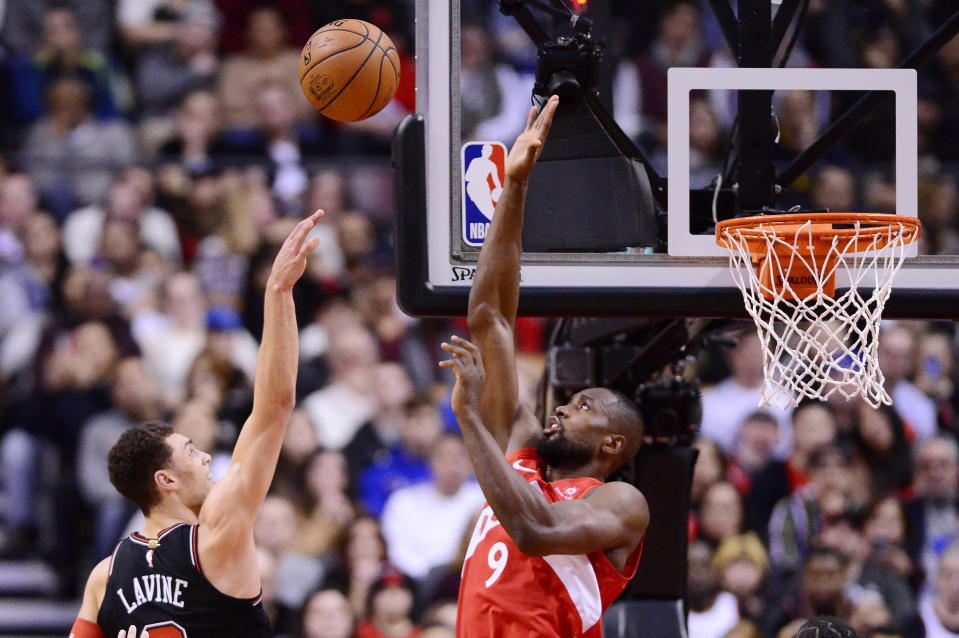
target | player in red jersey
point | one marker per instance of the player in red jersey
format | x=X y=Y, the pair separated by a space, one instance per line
x=542 y=562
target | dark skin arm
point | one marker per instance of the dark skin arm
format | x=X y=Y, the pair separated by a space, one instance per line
x=612 y=517
x=495 y=293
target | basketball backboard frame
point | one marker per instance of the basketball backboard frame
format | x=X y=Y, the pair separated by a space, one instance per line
x=435 y=273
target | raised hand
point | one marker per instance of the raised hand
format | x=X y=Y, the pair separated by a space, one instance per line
x=467 y=364
x=528 y=146
x=290 y=262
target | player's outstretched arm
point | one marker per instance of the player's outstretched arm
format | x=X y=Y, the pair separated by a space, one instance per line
x=228 y=513
x=494 y=295
x=612 y=516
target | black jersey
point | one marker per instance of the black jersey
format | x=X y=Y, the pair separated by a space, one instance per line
x=158 y=584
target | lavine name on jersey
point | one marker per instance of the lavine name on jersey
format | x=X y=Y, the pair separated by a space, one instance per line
x=155 y=588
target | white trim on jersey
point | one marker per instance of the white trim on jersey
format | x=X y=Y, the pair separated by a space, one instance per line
x=579 y=578
x=113 y=556
x=190 y=548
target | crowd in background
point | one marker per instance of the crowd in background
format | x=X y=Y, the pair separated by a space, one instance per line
x=156 y=152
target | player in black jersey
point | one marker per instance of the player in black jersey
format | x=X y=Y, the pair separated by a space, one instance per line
x=191 y=571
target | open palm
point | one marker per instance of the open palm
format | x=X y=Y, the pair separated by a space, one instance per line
x=528 y=146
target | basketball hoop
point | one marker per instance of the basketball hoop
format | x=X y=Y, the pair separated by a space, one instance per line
x=818 y=339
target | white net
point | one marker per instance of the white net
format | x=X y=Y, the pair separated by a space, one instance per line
x=816 y=290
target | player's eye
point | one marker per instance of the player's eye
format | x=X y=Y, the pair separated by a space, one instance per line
x=583 y=405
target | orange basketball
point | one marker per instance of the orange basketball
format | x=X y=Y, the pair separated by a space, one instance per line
x=349 y=70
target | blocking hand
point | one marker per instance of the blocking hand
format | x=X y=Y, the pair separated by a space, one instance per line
x=528 y=146
x=290 y=262
x=467 y=364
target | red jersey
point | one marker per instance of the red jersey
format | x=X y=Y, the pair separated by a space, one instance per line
x=507 y=594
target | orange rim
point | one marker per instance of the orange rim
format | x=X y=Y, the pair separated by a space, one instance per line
x=822 y=229
x=811 y=237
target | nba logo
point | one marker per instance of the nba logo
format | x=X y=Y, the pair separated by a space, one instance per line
x=484 y=169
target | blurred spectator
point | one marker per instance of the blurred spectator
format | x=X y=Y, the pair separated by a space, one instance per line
x=326 y=505
x=820 y=592
x=405 y=462
x=18 y=202
x=897 y=355
x=365 y=562
x=933 y=514
x=880 y=440
x=742 y=564
x=70 y=155
x=135 y=398
x=28 y=287
x=24 y=23
x=797 y=519
x=299 y=444
x=640 y=86
x=326 y=614
x=146 y=22
x=170 y=69
x=62 y=51
x=834 y=189
x=196 y=143
x=495 y=98
x=338 y=410
x=940 y=221
x=940 y=611
x=286 y=144
x=813 y=425
x=216 y=379
x=222 y=258
x=935 y=376
x=720 y=513
x=726 y=404
x=754 y=448
x=267 y=59
x=877 y=592
x=391 y=602
x=710 y=468
x=171 y=337
x=424 y=523
x=299 y=22
x=125 y=201
x=713 y=613
x=392 y=390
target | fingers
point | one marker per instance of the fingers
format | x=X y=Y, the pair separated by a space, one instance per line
x=303 y=229
x=309 y=246
x=130 y=633
x=456 y=351
x=533 y=112
x=455 y=364
x=469 y=345
x=545 y=118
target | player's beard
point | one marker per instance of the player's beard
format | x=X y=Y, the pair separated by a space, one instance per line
x=559 y=451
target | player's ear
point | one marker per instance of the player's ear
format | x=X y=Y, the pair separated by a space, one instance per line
x=165 y=480
x=613 y=444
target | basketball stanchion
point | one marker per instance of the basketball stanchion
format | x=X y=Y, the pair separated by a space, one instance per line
x=816 y=285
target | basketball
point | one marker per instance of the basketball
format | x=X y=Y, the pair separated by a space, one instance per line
x=349 y=70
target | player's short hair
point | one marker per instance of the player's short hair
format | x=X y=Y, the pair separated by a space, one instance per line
x=825 y=627
x=135 y=457
x=626 y=419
